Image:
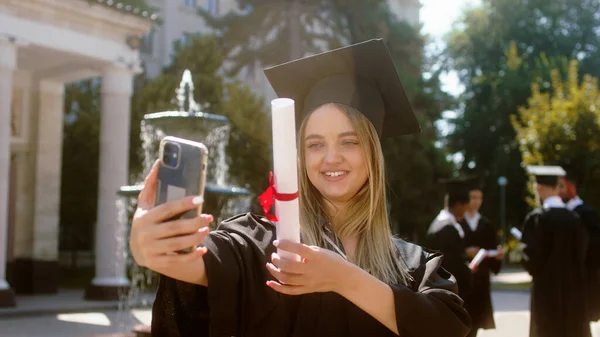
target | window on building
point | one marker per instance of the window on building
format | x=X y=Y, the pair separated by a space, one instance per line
x=189 y=3
x=212 y=6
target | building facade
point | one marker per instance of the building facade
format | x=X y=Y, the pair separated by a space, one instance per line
x=45 y=44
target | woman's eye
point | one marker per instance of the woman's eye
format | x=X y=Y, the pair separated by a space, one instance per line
x=314 y=145
x=349 y=142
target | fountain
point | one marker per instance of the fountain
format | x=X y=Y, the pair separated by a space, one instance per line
x=221 y=199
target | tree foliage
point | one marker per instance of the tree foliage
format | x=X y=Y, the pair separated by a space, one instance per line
x=498 y=50
x=563 y=125
x=80 y=165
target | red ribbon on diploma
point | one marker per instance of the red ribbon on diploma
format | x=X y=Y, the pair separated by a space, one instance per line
x=268 y=197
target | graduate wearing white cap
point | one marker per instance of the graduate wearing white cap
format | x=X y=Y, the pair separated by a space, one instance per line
x=554 y=254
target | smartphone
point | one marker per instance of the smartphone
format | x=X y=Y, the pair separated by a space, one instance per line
x=181 y=173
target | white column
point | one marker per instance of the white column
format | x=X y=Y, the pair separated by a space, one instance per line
x=117 y=87
x=48 y=171
x=8 y=62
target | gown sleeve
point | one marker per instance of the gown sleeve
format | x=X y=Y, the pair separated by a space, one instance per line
x=591 y=220
x=491 y=242
x=237 y=297
x=532 y=238
x=449 y=243
x=429 y=306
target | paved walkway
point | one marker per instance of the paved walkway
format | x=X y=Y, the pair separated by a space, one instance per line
x=84 y=324
x=511 y=276
x=69 y=300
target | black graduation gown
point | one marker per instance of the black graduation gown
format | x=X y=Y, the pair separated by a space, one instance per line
x=556 y=245
x=479 y=303
x=444 y=237
x=237 y=301
x=590 y=219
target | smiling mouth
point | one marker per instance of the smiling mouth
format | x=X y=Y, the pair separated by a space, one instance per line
x=335 y=174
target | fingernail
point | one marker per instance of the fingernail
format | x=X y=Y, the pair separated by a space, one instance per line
x=198 y=200
x=276 y=243
x=203 y=230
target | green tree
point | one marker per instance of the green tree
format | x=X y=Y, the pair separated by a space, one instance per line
x=496 y=50
x=80 y=164
x=273 y=32
x=563 y=125
x=248 y=151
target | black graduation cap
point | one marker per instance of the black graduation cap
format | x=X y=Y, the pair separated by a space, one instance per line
x=572 y=173
x=546 y=175
x=361 y=76
x=458 y=186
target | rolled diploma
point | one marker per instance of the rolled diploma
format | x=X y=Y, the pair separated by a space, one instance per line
x=492 y=253
x=285 y=171
x=477 y=259
x=516 y=233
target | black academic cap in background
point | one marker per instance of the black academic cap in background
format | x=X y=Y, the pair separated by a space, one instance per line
x=572 y=173
x=457 y=185
x=546 y=175
x=475 y=183
x=361 y=76
x=457 y=189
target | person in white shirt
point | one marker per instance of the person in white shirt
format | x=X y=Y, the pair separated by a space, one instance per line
x=480 y=233
x=447 y=236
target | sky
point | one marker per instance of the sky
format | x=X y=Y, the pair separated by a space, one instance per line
x=437 y=17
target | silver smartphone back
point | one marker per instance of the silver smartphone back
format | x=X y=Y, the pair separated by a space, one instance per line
x=182 y=171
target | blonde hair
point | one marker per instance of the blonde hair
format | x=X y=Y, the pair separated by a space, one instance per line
x=366 y=214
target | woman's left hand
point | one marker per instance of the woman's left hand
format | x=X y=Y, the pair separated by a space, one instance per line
x=319 y=269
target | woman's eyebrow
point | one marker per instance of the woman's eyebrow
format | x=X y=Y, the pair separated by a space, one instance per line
x=343 y=134
x=347 y=133
x=313 y=136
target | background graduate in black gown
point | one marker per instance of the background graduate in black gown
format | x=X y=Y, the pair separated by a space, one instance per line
x=591 y=220
x=554 y=254
x=447 y=236
x=480 y=233
x=354 y=278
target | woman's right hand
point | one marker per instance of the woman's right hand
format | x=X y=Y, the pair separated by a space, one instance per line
x=153 y=239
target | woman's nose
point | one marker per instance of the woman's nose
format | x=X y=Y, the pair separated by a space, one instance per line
x=333 y=155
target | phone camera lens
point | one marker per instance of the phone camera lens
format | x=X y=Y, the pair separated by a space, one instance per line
x=170 y=154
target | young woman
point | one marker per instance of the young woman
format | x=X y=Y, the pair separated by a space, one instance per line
x=354 y=278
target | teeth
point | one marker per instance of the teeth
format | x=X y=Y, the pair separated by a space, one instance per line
x=335 y=174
